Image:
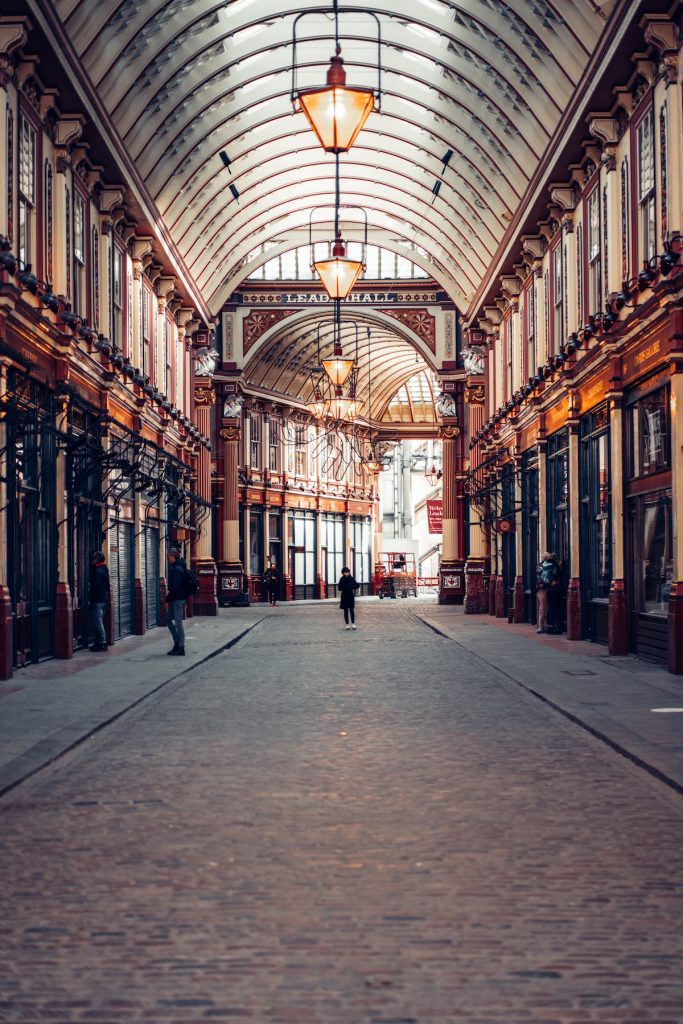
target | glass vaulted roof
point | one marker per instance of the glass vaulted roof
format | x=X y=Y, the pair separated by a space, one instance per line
x=183 y=80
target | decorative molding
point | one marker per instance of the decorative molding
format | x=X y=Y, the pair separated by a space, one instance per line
x=475 y=393
x=258 y=322
x=204 y=395
x=419 y=321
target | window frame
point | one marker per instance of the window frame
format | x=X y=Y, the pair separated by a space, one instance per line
x=643 y=205
x=79 y=286
x=593 y=255
x=556 y=307
x=27 y=245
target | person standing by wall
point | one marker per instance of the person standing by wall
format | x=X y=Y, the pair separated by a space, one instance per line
x=272 y=582
x=347 y=588
x=98 y=598
x=551 y=575
x=176 y=598
x=541 y=597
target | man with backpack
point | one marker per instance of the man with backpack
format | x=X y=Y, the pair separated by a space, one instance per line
x=182 y=584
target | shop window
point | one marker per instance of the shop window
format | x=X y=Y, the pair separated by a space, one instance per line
x=27 y=189
x=595 y=505
x=649 y=435
x=79 y=263
x=652 y=553
x=275 y=538
x=255 y=543
x=647 y=242
x=558 y=497
x=594 y=253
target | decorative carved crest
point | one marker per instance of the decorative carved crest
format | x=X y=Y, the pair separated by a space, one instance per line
x=260 y=321
x=419 y=321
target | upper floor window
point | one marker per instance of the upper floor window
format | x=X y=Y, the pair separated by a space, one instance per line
x=27 y=188
x=594 y=253
x=79 y=271
x=529 y=321
x=145 y=321
x=647 y=241
x=558 y=295
x=254 y=440
x=117 y=296
x=168 y=345
x=274 y=446
x=300 y=460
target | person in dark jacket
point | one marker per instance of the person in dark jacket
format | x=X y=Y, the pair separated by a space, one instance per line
x=550 y=577
x=176 y=599
x=98 y=598
x=272 y=581
x=347 y=589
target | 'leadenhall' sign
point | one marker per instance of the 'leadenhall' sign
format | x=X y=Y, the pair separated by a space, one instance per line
x=322 y=298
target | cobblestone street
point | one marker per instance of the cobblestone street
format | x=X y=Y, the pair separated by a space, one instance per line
x=325 y=827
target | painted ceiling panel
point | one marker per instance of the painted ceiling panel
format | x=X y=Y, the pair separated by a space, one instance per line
x=185 y=79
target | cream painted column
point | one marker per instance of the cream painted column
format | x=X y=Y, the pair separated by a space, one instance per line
x=676 y=594
x=618 y=625
x=6 y=621
x=452 y=568
x=64 y=644
x=574 y=624
x=542 y=498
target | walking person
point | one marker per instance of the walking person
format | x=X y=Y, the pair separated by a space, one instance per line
x=347 y=588
x=272 y=581
x=551 y=575
x=541 y=597
x=98 y=598
x=176 y=598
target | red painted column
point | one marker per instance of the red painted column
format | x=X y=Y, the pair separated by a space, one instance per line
x=452 y=568
x=6 y=634
x=205 y=602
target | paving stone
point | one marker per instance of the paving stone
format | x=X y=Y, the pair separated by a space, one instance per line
x=325 y=827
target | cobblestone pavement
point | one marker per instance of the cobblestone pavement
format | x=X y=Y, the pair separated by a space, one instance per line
x=328 y=827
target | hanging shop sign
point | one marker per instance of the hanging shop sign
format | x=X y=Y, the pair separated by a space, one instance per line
x=435 y=515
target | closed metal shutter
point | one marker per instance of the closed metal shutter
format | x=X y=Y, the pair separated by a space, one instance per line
x=150 y=575
x=121 y=578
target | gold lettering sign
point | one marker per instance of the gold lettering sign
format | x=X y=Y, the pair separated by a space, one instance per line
x=555 y=417
x=641 y=358
x=593 y=393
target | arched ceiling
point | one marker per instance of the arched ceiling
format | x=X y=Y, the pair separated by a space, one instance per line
x=184 y=79
x=285 y=363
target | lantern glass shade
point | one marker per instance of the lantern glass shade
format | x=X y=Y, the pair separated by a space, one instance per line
x=318 y=406
x=374 y=465
x=432 y=476
x=341 y=407
x=338 y=275
x=336 y=114
x=338 y=368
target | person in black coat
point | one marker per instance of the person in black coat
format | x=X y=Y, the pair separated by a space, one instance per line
x=98 y=598
x=272 y=581
x=347 y=589
x=176 y=599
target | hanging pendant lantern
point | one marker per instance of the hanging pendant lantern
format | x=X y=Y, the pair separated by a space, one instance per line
x=338 y=368
x=433 y=475
x=338 y=274
x=336 y=112
x=318 y=405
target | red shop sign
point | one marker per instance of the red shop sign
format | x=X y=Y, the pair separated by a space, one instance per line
x=435 y=515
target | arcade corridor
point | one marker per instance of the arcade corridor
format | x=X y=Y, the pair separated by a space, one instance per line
x=325 y=827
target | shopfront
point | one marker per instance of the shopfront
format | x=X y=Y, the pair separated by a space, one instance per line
x=530 y=531
x=333 y=550
x=31 y=522
x=508 y=544
x=122 y=571
x=302 y=553
x=650 y=517
x=360 y=552
x=595 y=523
x=86 y=513
x=558 y=507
